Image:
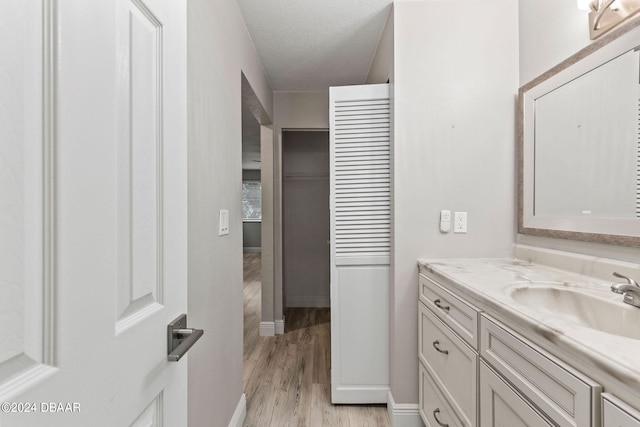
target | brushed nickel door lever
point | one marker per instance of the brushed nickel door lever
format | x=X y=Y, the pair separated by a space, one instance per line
x=180 y=338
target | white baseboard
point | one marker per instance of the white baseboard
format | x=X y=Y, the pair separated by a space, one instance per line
x=360 y=394
x=240 y=413
x=267 y=329
x=308 y=301
x=279 y=324
x=403 y=414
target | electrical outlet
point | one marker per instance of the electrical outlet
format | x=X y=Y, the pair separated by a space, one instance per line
x=445 y=221
x=460 y=222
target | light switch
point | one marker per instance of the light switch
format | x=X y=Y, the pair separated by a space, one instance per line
x=445 y=221
x=223 y=222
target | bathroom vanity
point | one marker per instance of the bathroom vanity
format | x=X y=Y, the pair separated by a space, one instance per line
x=541 y=339
x=510 y=342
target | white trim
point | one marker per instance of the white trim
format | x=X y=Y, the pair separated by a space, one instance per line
x=360 y=394
x=240 y=413
x=279 y=327
x=267 y=329
x=403 y=414
x=49 y=142
x=308 y=301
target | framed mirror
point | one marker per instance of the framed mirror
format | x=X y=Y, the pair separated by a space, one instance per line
x=579 y=145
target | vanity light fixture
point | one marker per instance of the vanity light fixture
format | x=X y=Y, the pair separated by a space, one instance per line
x=606 y=14
x=584 y=4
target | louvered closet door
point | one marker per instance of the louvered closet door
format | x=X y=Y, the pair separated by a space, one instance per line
x=360 y=243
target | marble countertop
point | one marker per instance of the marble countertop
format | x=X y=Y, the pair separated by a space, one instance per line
x=612 y=360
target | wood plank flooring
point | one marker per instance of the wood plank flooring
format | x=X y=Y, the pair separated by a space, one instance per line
x=287 y=377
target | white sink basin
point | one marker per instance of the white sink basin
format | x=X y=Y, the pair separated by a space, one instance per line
x=585 y=309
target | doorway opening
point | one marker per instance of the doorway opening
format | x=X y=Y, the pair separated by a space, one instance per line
x=252 y=214
x=305 y=218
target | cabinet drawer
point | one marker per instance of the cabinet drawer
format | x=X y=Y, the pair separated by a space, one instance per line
x=454 y=312
x=452 y=364
x=434 y=410
x=503 y=406
x=565 y=395
x=618 y=414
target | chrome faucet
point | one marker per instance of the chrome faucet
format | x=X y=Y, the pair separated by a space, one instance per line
x=630 y=290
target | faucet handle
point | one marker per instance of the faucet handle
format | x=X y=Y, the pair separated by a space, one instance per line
x=628 y=279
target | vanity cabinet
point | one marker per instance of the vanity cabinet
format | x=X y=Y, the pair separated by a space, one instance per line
x=476 y=371
x=618 y=414
x=447 y=351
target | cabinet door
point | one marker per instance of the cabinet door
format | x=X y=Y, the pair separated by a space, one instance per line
x=501 y=406
x=434 y=410
x=452 y=364
x=556 y=388
x=457 y=314
x=618 y=414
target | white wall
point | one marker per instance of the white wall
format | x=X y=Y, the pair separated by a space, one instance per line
x=301 y=110
x=219 y=50
x=267 y=227
x=454 y=84
x=381 y=69
x=547 y=39
x=550 y=32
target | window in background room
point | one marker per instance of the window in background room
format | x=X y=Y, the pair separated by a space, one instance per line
x=251 y=203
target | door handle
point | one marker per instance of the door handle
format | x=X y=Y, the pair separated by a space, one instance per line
x=180 y=338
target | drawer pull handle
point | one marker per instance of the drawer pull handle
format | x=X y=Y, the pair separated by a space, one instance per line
x=440 y=306
x=435 y=417
x=436 y=343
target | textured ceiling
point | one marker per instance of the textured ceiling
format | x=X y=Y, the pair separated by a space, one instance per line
x=314 y=44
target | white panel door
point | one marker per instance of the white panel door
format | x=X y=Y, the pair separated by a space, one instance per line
x=360 y=204
x=92 y=212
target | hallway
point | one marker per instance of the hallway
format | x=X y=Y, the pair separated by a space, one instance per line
x=287 y=377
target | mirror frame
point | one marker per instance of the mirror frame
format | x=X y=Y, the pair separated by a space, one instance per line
x=617 y=231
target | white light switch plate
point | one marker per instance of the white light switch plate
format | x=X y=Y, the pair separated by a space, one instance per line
x=223 y=222
x=445 y=221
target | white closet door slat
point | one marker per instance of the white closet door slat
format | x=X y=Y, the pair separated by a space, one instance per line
x=361 y=175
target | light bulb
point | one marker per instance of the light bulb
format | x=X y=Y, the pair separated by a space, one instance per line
x=583 y=4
